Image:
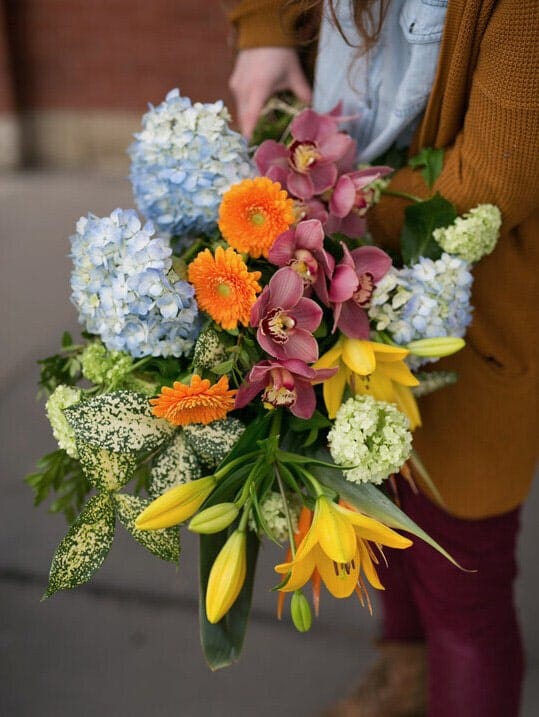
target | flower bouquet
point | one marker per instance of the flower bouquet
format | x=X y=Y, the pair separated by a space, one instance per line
x=250 y=362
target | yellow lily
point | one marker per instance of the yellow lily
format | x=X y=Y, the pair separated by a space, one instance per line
x=176 y=505
x=227 y=576
x=370 y=368
x=336 y=545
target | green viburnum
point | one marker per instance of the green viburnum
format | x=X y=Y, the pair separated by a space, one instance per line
x=108 y=368
x=63 y=397
x=273 y=512
x=373 y=436
x=473 y=235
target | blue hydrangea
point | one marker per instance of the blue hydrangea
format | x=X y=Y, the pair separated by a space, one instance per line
x=125 y=289
x=183 y=161
x=426 y=300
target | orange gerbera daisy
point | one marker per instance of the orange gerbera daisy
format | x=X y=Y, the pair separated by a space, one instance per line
x=223 y=286
x=198 y=403
x=253 y=213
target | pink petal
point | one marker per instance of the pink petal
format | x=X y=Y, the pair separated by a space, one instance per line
x=353 y=226
x=270 y=153
x=282 y=249
x=322 y=374
x=323 y=177
x=343 y=284
x=259 y=307
x=353 y=321
x=321 y=289
x=269 y=346
x=310 y=235
x=307 y=314
x=372 y=260
x=286 y=289
x=308 y=124
x=246 y=393
x=299 y=368
x=300 y=345
x=278 y=174
x=363 y=177
x=343 y=197
x=305 y=400
x=300 y=185
x=347 y=163
x=335 y=146
x=314 y=209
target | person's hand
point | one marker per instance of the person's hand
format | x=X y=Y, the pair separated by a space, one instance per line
x=260 y=72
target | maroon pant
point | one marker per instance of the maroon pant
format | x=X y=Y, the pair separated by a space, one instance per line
x=467 y=619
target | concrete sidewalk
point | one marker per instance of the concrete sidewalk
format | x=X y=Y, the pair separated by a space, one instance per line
x=127 y=643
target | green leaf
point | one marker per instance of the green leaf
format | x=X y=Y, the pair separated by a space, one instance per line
x=431 y=161
x=421 y=219
x=85 y=546
x=67 y=341
x=222 y=642
x=164 y=543
x=120 y=421
x=177 y=463
x=104 y=469
x=255 y=431
x=371 y=501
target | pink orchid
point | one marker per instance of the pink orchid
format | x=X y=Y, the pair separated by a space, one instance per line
x=350 y=200
x=286 y=383
x=286 y=319
x=308 y=166
x=302 y=249
x=353 y=282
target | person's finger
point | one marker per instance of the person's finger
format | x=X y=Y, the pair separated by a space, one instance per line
x=249 y=111
x=300 y=87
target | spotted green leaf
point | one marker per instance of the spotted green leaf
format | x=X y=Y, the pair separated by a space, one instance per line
x=104 y=469
x=120 y=421
x=165 y=543
x=177 y=463
x=85 y=546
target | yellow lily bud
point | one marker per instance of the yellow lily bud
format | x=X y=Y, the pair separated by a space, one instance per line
x=301 y=612
x=213 y=519
x=227 y=576
x=176 y=505
x=437 y=347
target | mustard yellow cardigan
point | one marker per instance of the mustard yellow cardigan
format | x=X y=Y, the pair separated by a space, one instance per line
x=480 y=437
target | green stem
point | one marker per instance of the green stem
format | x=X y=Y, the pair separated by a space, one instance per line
x=315 y=485
x=188 y=254
x=245 y=516
x=276 y=421
x=402 y=195
x=289 y=525
x=236 y=462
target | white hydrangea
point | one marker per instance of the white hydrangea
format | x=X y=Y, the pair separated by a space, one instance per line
x=274 y=515
x=473 y=235
x=373 y=436
x=63 y=397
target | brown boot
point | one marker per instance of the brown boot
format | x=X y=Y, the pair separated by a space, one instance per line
x=395 y=685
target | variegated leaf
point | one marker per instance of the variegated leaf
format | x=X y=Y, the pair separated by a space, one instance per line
x=104 y=469
x=213 y=442
x=85 y=546
x=163 y=543
x=120 y=421
x=177 y=463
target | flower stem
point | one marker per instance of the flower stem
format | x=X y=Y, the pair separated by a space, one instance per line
x=402 y=195
x=289 y=525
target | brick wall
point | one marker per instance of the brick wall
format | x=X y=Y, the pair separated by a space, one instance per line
x=73 y=67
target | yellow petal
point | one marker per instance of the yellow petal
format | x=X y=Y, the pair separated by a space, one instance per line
x=176 y=505
x=370 y=529
x=386 y=353
x=399 y=372
x=227 y=576
x=379 y=387
x=331 y=358
x=368 y=567
x=300 y=572
x=333 y=391
x=334 y=531
x=359 y=356
x=408 y=405
x=339 y=580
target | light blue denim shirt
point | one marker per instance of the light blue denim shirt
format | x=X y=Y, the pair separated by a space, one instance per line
x=385 y=90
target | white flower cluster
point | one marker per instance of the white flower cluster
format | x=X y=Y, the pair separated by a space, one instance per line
x=373 y=436
x=63 y=397
x=473 y=235
x=183 y=161
x=273 y=512
x=426 y=300
x=125 y=289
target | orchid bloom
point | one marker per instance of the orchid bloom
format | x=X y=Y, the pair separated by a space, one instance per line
x=285 y=319
x=350 y=200
x=336 y=546
x=369 y=368
x=308 y=166
x=286 y=383
x=302 y=249
x=352 y=285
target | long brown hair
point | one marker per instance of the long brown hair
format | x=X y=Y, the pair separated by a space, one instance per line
x=368 y=15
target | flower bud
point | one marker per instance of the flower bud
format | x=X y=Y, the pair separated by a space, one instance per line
x=214 y=519
x=436 y=347
x=227 y=576
x=176 y=505
x=301 y=612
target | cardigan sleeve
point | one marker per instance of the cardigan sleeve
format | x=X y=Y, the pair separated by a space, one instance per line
x=495 y=156
x=264 y=23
